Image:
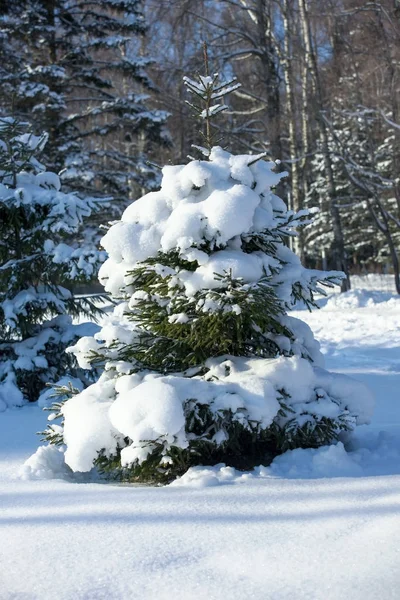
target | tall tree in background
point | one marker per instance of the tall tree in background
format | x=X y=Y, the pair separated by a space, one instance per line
x=77 y=69
x=337 y=249
x=296 y=195
x=367 y=84
x=347 y=137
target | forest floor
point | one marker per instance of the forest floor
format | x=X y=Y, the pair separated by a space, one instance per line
x=316 y=525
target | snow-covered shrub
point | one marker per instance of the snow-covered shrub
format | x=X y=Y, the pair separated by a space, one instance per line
x=38 y=267
x=201 y=363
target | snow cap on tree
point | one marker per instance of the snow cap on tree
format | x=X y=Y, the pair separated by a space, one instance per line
x=201 y=363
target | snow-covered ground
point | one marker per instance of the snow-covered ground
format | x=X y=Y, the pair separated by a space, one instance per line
x=321 y=525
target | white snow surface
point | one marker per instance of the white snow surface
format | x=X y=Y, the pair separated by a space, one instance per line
x=316 y=524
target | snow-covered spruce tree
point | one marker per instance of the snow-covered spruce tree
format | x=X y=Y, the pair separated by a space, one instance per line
x=37 y=268
x=350 y=141
x=359 y=235
x=77 y=69
x=358 y=231
x=201 y=362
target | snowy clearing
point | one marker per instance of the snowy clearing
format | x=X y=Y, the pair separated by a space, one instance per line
x=278 y=533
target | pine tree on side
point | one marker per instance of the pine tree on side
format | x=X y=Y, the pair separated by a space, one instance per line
x=38 y=268
x=201 y=362
x=76 y=69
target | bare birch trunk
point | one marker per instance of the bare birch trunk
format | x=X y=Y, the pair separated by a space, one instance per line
x=296 y=191
x=260 y=12
x=338 y=250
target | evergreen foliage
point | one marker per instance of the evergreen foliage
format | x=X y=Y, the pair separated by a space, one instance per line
x=356 y=158
x=201 y=363
x=58 y=394
x=209 y=91
x=355 y=220
x=37 y=267
x=78 y=71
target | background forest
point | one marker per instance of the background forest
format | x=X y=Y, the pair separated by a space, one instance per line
x=320 y=93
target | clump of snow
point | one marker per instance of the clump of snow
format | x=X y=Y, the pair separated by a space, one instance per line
x=209 y=201
x=46 y=463
x=149 y=411
x=200 y=477
x=88 y=428
x=303 y=342
x=48 y=180
x=10 y=394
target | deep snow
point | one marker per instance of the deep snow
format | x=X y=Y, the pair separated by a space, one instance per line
x=278 y=533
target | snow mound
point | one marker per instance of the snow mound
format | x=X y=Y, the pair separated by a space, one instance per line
x=359 y=299
x=377 y=455
x=201 y=477
x=364 y=456
x=327 y=461
x=310 y=463
x=47 y=463
x=10 y=394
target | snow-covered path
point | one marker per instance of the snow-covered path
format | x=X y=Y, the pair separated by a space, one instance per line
x=269 y=536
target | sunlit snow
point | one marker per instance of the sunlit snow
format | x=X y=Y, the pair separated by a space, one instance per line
x=316 y=524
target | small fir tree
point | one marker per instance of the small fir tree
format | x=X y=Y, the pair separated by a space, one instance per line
x=201 y=362
x=37 y=268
